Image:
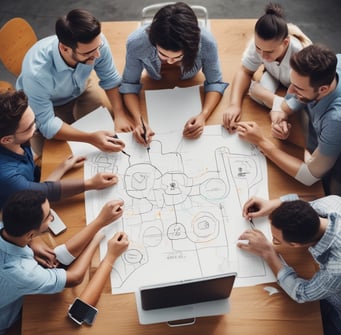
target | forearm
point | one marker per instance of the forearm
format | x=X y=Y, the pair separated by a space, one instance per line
x=76 y=244
x=115 y=99
x=76 y=271
x=239 y=87
x=69 y=133
x=132 y=102
x=284 y=161
x=70 y=187
x=93 y=290
x=273 y=260
x=210 y=103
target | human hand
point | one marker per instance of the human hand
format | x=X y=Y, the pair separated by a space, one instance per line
x=230 y=118
x=143 y=135
x=124 y=124
x=250 y=132
x=118 y=244
x=194 y=127
x=100 y=181
x=43 y=254
x=281 y=130
x=73 y=162
x=110 y=212
x=257 y=207
x=257 y=243
x=106 y=142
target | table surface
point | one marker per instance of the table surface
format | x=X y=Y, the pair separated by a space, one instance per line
x=253 y=309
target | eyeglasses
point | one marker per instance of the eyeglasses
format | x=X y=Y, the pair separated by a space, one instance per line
x=165 y=57
x=89 y=53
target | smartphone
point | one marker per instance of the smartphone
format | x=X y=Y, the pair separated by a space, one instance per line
x=57 y=226
x=81 y=312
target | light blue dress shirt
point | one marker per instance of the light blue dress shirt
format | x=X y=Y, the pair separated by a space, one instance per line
x=325 y=119
x=141 y=54
x=21 y=275
x=48 y=81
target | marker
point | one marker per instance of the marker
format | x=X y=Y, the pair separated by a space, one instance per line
x=245 y=242
x=120 y=237
x=123 y=152
x=144 y=135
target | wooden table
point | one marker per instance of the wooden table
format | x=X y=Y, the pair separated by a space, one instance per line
x=253 y=310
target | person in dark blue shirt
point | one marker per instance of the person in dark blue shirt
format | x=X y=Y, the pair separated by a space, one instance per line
x=18 y=170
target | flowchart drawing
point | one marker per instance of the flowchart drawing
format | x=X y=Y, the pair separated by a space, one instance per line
x=183 y=201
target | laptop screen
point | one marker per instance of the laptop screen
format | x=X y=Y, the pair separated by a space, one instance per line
x=187 y=292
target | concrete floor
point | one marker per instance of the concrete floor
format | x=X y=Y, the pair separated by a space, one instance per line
x=318 y=19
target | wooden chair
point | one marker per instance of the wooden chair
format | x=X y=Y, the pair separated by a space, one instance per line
x=16 y=37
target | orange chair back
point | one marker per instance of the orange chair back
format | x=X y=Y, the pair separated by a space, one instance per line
x=16 y=37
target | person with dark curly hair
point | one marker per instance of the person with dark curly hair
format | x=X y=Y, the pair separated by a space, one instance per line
x=172 y=41
x=295 y=224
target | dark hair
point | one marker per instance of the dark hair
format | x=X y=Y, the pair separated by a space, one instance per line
x=13 y=104
x=297 y=220
x=23 y=212
x=317 y=62
x=272 y=25
x=78 y=26
x=175 y=27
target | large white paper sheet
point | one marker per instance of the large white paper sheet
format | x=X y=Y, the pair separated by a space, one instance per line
x=99 y=119
x=183 y=204
x=170 y=109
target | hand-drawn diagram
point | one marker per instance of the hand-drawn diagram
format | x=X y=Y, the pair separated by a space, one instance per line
x=182 y=211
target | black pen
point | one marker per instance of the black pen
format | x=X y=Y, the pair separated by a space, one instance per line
x=123 y=152
x=252 y=224
x=144 y=135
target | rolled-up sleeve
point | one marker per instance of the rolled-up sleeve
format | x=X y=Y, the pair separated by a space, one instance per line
x=321 y=286
x=211 y=65
x=105 y=68
x=133 y=66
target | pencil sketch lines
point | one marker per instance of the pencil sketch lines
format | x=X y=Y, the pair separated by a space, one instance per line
x=178 y=208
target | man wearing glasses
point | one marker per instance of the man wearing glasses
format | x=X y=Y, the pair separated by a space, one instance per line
x=56 y=77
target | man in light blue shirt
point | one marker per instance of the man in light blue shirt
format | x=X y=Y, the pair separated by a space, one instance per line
x=295 y=223
x=56 y=78
x=27 y=215
x=315 y=87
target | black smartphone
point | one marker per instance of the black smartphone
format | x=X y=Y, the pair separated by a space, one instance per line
x=81 y=312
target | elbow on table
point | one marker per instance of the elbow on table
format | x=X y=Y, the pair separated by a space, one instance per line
x=74 y=278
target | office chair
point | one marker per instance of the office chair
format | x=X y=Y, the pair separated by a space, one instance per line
x=148 y=13
x=16 y=37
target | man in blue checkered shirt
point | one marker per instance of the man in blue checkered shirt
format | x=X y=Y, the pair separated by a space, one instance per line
x=296 y=223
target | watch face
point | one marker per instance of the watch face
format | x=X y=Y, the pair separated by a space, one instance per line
x=81 y=312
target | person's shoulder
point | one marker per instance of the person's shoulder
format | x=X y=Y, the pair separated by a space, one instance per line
x=295 y=44
x=42 y=46
x=138 y=37
x=206 y=36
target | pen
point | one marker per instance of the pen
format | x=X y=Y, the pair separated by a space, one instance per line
x=252 y=224
x=123 y=152
x=144 y=135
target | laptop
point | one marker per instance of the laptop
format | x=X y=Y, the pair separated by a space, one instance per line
x=185 y=299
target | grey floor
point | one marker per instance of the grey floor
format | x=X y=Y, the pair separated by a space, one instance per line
x=319 y=19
